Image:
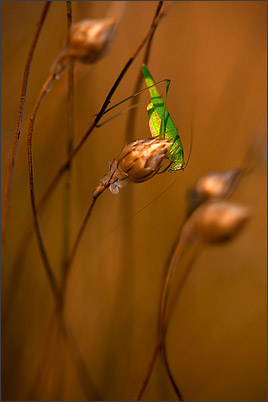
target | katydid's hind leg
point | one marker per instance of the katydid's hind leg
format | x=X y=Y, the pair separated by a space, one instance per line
x=163 y=119
x=119 y=114
x=136 y=94
x=125 y=100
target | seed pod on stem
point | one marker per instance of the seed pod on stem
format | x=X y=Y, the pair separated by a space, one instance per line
x=214 y=185
x=138 y=161
x=216 y=221
x=88 y=40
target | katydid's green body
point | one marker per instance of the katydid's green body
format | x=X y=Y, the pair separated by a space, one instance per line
x=163 y=127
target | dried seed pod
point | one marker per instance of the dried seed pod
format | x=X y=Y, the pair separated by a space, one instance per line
x=214 y=185
x=138 y=161
x=216 y=221
x=88 y=40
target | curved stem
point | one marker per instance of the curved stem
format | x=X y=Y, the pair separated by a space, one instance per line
x=48 y=269
x=149 y=369
x=161 y=330
x=19 y=120
x=163 y=319
x=168 y=309
x=70 y=137
x=170 y=376
x=177 y=252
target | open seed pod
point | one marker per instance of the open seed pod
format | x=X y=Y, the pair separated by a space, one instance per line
x=216 y=221
x=138 y=161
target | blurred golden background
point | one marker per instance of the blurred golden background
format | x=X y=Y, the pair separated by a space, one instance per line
x=215 y=54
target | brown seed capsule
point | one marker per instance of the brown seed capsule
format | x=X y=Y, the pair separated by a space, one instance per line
x=138 y=161
x=213 y=185
x=88 y=40
x=216 y=221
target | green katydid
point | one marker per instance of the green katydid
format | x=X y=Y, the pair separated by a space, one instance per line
x=161 y=124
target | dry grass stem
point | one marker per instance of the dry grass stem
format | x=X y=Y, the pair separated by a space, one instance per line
x=19 y=121
x=70 y=139
x=43 y=253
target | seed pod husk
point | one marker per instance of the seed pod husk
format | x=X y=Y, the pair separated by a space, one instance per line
x=214 y=185
x=138 y=161
x=87 y=41
x=216 y=221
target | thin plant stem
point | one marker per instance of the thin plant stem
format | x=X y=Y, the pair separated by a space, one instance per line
x=149 y=370
x=177 y=251
x=46 y=263
x=17 y=132
x=70 y=138
x=184 y=272
x=170 y=375
x=172 y=264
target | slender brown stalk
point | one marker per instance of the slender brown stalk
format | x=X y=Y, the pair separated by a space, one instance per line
x=149 y=369
x=167 y=312
x=170 y=375
x=48 y=269
x=70 y=137
x=183 y=274
x=176 y=253
x=19 y=120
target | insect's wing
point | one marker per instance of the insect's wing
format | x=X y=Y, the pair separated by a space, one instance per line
x=163 y=127
x=156 y=105
x=154 y=120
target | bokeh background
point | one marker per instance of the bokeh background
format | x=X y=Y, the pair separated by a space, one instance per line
x=215 y=54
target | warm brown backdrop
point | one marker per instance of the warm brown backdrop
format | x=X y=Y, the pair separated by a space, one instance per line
x=215 y=54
